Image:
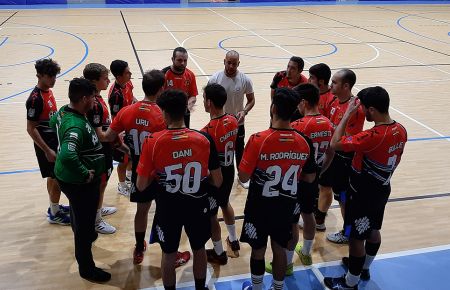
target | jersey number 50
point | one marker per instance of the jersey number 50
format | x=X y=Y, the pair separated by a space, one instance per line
x=189 y=181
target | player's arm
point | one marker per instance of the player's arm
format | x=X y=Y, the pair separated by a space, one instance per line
x=327 y=159
x=145 y=169
x=215 y=173
x=276 y=79
x=248 y=106
x=34 y=134
x=249 y=160
x=336 y=140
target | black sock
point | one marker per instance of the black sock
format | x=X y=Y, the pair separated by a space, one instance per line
x=140 y=236
x=355 y=265
x=372 y=249
x=200 y=284
x=320 y=216
x=257 y=267
x=169 y=288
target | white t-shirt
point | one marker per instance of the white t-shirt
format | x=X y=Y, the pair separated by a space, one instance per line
x=237 y=87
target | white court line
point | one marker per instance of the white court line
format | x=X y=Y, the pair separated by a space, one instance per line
x=256 y=34
x=179 y=43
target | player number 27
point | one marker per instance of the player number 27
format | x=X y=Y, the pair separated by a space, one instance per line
x=289 y=182
x=189 y=182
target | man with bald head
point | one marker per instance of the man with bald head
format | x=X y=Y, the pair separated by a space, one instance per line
x=237 y=85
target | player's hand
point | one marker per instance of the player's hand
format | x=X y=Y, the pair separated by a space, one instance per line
x=91 y=176
x=51 y=156
x=240 y=116
x=353 y=106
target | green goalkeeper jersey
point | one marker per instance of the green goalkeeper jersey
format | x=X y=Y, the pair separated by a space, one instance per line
x=79 y=149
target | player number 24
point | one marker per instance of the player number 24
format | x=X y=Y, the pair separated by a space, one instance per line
x=289 y=182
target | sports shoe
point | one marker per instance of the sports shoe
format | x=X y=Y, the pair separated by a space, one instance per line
x=65 y=209
x=301 y=223
x=321 y=227
x=182 y=258
x=338 y=283
x=245 y=185
x=96 y=275
x=103 y=227
x=289 y=268
x=305 y=259
x=59 y=218
x=247 y=285
x=212 y=256
x=365 y=273
x=233 y=248
x=107 y=210
x=138 y=255
x=337 y=238
x=123 y=190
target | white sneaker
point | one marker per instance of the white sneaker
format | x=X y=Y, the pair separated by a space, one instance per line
x=107 y=210
x=301 y=223
x=123 y=190
x=245 y=185
x=337 y=238
x=103 y=227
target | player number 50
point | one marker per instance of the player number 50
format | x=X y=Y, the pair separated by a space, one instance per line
x=189 y=182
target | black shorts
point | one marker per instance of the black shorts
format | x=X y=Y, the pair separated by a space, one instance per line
x=175 y=212
x=46 y=167
x=364 y=209
x=148 y=194
x=341 y=167
x=267 y=219
x=326 y=178
x=221 y=197
x=308 y=201
x=108 y=151
x=119 y=156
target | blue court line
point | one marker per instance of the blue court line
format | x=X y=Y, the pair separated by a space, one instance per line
x=115 y=163
x=4 y=40
x=86 y=52
x=52 y=51
x=418 y=34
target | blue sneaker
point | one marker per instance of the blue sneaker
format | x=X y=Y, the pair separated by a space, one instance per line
x=65 y=209
x=59 y=218
x=247 y=285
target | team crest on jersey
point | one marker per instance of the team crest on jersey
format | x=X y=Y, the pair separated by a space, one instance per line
x=187 y=83
x=50 y=104
x=96 y=119
x=31 y=112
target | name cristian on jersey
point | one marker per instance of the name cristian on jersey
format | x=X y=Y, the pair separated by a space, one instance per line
x=284 y=155
x=228 y=135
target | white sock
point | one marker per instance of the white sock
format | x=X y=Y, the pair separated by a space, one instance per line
x=289 y=256
x=122 y=184
x=54 y=208
x=351 y=279
x=307 y=246
x=232 y=232
x=368 y=261
x=257 y=281
x=277 y=285
x=218 y=247
x=98 y=217
x=128 y=174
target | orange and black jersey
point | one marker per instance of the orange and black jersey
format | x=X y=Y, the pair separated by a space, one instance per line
x=378 y=151
x=120 y=97
x=319 y=130
x=224 y=130
x=179 y=160
x=280 y=80
x=324 y=103
x=99 y=115
x=274 y=159
x=41 y=106
x=138 y=121
x=337 y=111
x=185 y=81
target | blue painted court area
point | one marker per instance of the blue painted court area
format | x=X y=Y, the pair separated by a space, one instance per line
x=413 y=270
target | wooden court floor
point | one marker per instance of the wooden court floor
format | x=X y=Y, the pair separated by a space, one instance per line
x=404 y=48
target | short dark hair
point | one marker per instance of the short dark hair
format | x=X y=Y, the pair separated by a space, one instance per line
x=48 y=67
x=173 y=102
x=321 y=71
x=80 y=87
x=217 y=94
x=376 y=97
x=348 y=76
x=299 y=61
x=152 y=82
x=118 y=67
x=93 y=71
x=178 y=49
x=308 y=92
x=285 y=101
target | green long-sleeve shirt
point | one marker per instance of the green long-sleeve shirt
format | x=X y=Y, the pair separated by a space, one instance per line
x=79 y=148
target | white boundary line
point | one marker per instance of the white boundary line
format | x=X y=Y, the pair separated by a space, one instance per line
x=180 y=44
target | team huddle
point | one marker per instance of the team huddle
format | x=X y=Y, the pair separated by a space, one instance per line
x=314 y=149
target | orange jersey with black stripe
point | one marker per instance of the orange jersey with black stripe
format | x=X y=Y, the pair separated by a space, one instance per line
x=185 y=81
x=324 y=103
x=337 y=111
x=280 y=80
x=138 y=121
x=274 y=159
x=223 y=130
x=179 y=160
x=319 y=130
x=120 y=97
x=378 y=151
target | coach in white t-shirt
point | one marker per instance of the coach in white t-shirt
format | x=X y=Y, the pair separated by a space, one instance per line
x=237 y=84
